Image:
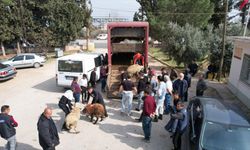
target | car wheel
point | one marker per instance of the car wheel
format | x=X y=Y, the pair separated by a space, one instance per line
x=36 y=65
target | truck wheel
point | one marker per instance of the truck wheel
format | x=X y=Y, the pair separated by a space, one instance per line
x=36 y=65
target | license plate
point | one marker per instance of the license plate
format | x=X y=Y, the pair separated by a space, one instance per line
x=69 y=78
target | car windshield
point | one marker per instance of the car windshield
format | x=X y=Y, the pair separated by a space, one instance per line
x=217 y=136
x=12 y=58
x=2 y=66
x=69 y=66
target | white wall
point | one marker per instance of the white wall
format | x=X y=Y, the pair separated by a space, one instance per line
x=240 y=89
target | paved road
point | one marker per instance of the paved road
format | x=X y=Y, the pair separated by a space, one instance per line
x=34 y=89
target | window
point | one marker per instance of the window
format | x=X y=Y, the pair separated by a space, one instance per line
x=2 y=66
x=70 y=66
x=245 y=70
x=18 y=58
x=29 y=57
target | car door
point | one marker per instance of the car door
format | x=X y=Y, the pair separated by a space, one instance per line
x=29 y=60
x=18 y=61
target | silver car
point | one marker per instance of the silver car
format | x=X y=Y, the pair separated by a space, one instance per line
x=7 y=72
x=26 y=60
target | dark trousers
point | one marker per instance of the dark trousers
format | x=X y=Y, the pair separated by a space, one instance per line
x=199 y=92
x=167 y=102
x=177 y=140
x=93 y=83
x=66 y=111
x=84 y=92
x=49 y=148
x=186 y=96
x=146 y=126
x=103 y=83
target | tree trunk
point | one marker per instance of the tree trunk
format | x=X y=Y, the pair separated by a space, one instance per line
x=87 y=40
x=18 y=48
x=3 y=49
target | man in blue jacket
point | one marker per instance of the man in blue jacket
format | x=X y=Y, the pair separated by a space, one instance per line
x=7 y=130
x=48 y=135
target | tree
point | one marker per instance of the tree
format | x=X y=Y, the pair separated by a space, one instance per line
x=185 y=44
x=160 y=12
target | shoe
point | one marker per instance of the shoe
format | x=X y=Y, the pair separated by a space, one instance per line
x=146 y=140
x=160 y=117
x=137 y=109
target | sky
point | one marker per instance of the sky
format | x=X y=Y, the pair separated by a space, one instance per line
x=114 y=8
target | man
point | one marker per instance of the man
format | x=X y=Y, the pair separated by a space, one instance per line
x=168 y=96
x=141 y=87
x=127 y=87
x=97 y=98
x=182 y=121
x=193 y=68
x=65 y=104
x=149 y=107
x=139 y=59
x=103 y=76
x=180 y=86
x=160 y=97
x=47 y=132
x=201 y=86
x=76 y=89
x=92 y=79
x=7 y=128
x=188 y=78
x=164 y=73
x=173 y=74
x=211 y=69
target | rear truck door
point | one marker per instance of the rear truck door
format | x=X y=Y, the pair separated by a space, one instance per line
x=98 y=61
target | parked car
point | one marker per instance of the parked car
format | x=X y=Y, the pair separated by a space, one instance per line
x=26 y=60
x=217 y=126
x=102 y=37
x=7 y=72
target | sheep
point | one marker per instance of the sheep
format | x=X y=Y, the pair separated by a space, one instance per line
x=94 y=110
x=134 y=69
x=72 y=119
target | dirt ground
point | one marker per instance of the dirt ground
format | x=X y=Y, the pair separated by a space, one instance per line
x=34 y=89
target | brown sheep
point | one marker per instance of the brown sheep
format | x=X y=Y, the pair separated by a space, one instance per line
x=94 y=110
x=134 y=69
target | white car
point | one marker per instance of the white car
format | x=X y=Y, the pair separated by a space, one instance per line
x=26 y=60
x=102 y=37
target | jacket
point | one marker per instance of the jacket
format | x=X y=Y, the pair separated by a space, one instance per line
x=47 y=132
x=65 y=101
x=7 y=124
x=97 y=97
x=182 y=117
x=141 y=85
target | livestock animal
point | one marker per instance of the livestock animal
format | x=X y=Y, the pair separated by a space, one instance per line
x=94 y=110
x=134 y=69
x=72 y=119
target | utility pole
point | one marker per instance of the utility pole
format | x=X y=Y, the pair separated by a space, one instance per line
x=223 y=40
x=248 y=17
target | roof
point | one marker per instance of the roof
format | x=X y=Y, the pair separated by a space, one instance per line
x=240 y=38
x=215 y=111
x=79 y=56
x=128 y=24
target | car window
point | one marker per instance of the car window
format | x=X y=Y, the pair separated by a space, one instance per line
x=2 y=66
x=29 y=57
x=18 y=58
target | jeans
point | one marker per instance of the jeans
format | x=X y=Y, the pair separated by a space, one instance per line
x=77 y=97
x=127 y=98
x=146 y=126
x=140 y=101
x=84 y=92
x=103 y=83
x=11 y=144
x=168 y=98
x=159 y=106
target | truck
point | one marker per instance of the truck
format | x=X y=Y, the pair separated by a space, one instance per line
x=125 y=39
x=75 y=65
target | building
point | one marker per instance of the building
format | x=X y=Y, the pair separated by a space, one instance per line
x=239 y=78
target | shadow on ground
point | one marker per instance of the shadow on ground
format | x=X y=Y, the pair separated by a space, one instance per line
x=128 y=134
x=49 y=86
x=22 y=146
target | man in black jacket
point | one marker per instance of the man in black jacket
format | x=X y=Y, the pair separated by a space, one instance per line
x=48 y=135
x=7 y=130
x=92 y=79
x=97 y=98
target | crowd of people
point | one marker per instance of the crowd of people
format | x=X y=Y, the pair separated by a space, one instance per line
x=157 y=95
x=160 y=95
